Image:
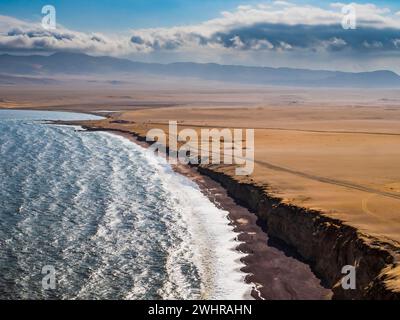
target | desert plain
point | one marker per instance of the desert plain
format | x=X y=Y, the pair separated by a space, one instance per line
x=333 y=150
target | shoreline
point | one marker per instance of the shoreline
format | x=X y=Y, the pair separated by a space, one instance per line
x=274 y=269
x=206 y=185
x=322 y=242
x=308 y=235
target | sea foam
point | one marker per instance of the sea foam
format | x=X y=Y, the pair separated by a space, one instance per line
x=115 y=221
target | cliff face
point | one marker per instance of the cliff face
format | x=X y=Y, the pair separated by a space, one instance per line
x=327 y=244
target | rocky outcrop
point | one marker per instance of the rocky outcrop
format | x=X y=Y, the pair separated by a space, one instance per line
x=325 y=243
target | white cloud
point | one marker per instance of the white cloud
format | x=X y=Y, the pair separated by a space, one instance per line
x=282 y=3
x=396 y=43
x=334 y=43
x=246 y=30
x=373 y=44
x=20 y=35
x=284 y=45
x=237 y=42
x=261 y=45
x=280 y=12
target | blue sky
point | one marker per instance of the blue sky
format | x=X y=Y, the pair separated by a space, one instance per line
x=283 y=33
x=107 y=15
x=119 y=15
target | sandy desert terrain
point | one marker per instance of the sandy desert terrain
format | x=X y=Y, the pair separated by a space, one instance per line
x=332 y=150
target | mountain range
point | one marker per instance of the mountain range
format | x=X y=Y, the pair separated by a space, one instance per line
x=65 y=63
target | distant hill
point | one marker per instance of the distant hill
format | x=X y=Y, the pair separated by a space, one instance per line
x=18 y=80
x=76 y=63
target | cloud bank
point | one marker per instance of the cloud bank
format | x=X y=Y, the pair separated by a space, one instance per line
x=277 y=34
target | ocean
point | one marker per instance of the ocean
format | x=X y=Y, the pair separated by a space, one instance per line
x=112 y=220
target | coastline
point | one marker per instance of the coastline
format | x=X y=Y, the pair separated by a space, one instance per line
x=118 y=202
x=260 y=262
x=308 y=235
x=275 y=270
x=324 y=243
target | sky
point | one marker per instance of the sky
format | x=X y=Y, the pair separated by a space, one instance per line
x=305 y=34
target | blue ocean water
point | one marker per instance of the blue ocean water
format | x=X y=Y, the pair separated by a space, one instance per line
x=115 y=221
